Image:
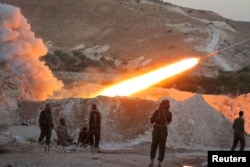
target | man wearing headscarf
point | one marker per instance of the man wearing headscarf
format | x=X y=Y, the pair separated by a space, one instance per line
x=160 y=118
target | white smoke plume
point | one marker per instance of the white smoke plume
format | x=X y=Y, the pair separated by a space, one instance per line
x=20 y=51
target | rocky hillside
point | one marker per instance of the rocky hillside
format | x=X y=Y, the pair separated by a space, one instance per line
x=131 y=35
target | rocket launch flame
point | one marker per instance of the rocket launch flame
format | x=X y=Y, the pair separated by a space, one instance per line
x=144 y=81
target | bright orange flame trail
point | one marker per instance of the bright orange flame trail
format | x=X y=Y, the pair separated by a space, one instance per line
x=136 y=84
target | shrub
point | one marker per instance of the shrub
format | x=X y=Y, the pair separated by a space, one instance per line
x=224 y=83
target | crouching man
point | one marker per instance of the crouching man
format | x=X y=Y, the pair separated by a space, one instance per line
x=64 y=138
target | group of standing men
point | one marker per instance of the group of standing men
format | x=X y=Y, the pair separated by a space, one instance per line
x=91 y=137
x=160 y=118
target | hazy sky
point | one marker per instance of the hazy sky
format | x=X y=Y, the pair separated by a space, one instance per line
x=238 y=10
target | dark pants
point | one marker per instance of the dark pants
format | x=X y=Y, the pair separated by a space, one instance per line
x=159 y=138
x=238 y=137
x=94 y=136
x=45 y=132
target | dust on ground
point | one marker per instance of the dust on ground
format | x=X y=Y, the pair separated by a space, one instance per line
x=34 y=155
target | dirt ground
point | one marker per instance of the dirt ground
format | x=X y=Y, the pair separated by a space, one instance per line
x=34 y=156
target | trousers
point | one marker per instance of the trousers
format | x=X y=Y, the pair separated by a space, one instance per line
x=159 y=138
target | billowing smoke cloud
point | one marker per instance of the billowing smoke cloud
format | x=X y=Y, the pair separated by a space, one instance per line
x=20 y=52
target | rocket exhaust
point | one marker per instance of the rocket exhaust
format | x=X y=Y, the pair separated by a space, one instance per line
x=222 y=50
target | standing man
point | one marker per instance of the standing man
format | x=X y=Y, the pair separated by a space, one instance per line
x=160 y=118
x=46 y=125
x=239 y=132
x=94 y=128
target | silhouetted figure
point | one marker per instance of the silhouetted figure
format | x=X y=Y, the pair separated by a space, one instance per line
x=160 y=118
x=94 y=128
x=46 y=124
x=239 y=132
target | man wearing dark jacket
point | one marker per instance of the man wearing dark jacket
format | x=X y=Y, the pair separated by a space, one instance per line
x=160 y=118
x=83 y=137
x=46 y=125
x=94 y=128
x=239 y=132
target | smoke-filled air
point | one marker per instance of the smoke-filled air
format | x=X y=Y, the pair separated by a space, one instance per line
x=106 y=76
x=20 y=52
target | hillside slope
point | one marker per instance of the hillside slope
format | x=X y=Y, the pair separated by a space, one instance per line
x=134 y=35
